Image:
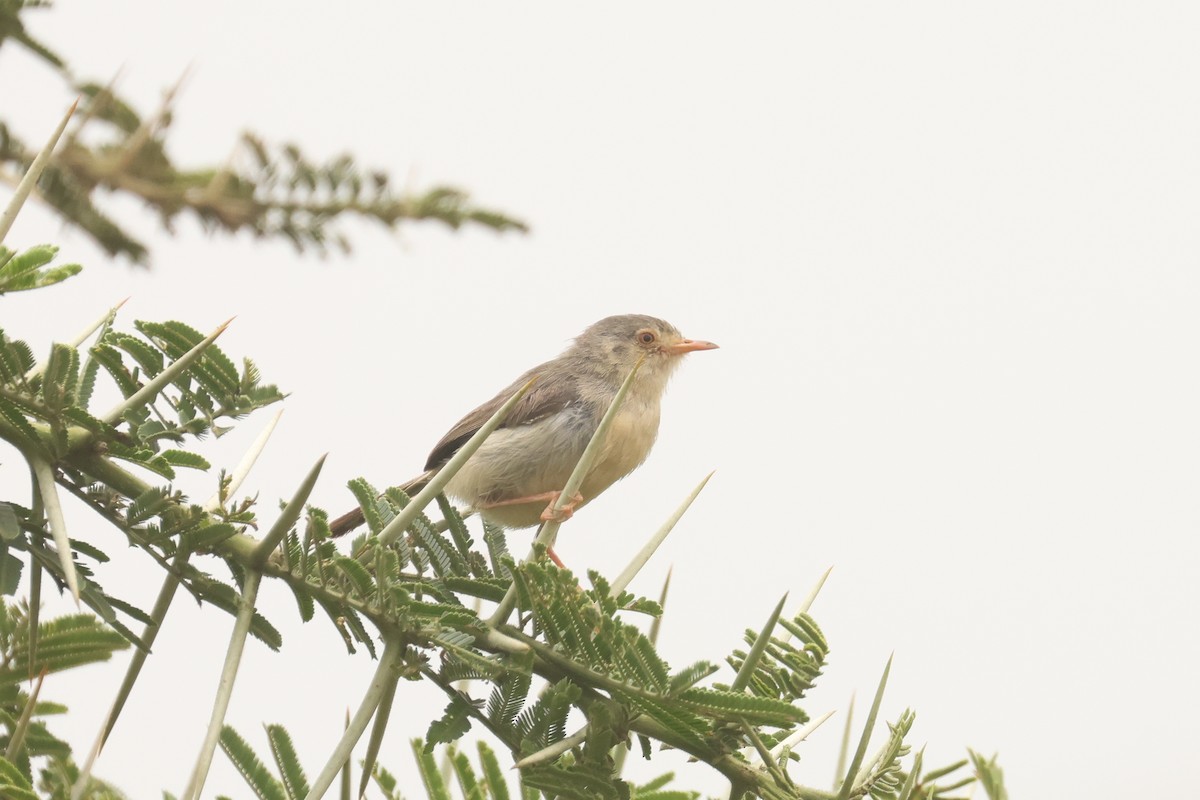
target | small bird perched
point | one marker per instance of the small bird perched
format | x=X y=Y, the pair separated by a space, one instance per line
x=515 y=477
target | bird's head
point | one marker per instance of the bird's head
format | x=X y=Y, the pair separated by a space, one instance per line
x=615 y=345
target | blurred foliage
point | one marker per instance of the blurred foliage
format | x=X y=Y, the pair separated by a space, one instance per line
x=271 y=192
x=29 y=650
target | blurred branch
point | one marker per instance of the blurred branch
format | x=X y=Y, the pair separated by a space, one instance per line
x=271 y=192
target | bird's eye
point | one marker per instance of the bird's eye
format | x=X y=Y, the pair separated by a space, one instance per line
x=646 y=337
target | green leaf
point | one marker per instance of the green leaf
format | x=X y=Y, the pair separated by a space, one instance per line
x=227 y=598
x=508 y=698
x=454 y=723
x=55 y=275
x=10 y=525
x=148 y=504
x=885 y=776
x=653 y=790
x=64 y=642
x=435 y=787
x=365 y=494
x=990 y=776
x=210 y=535
x=757 y=649
x=847 y=783
x=459 y=533
x=60 y=377
x=358 y=576
x=729 y=705
x=87 y=381
x=252 y=769
x=542 y=724
x=492 y=589
x=577 y=782
x=184 y=458
x=17 y=419
x=468 y=781
x=680 y=721
x=85 y=420
x=110 y=358
x=444 y=558
x=386 y=782
x=16 y=360
x=689 y=676
x=935 y=774
x=493 y=776
x=132 y=611
x=497 y=546
x=458 y=647
x=804 y=628
x=304 y=601
x=359 y=631
x=13 y=784
x=673 y=794
x=287 y=762
x=10 y=571
x=913 y=778
x=213 y=370
x=143 y=353
x=644 y=742
x=27 y=270
x=142 y=457
x=14 y=265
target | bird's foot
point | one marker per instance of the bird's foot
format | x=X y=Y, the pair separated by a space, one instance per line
x=552 y=514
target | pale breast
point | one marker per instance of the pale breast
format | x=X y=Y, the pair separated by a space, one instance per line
x=531 y=460
x=523 y=461
x=628 y=444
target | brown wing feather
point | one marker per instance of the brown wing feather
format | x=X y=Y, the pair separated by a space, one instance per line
x=553 y=392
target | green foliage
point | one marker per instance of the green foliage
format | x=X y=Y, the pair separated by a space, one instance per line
x=30 y=269
x=784 y=670
x=989 y=775
x=63 y=643
x=46 y=411
x=13 y=784
x=945 y=783
x=485 y=780
x=455 y=722
x=884 y=777
x=252 y=769
x=60 y=779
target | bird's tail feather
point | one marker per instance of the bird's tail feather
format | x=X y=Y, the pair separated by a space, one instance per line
x=354 y=518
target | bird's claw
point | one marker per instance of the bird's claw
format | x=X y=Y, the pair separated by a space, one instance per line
x=552 y=514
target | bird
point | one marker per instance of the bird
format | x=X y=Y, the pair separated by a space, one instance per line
x=516 y=476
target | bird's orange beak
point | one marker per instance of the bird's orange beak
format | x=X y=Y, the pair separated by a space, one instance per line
x=688 y=346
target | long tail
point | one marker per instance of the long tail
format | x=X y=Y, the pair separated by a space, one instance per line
x=347 y=522
x=354 y=518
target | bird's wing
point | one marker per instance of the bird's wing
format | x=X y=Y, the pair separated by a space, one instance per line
x=550 y=395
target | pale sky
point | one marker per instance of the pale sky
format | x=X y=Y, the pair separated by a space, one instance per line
x=950 y=253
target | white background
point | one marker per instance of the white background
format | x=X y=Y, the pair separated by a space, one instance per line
x=950 y=253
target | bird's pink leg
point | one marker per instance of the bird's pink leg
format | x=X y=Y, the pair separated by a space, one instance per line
x=518 y=501
x=552 y=514
x=561 y=515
